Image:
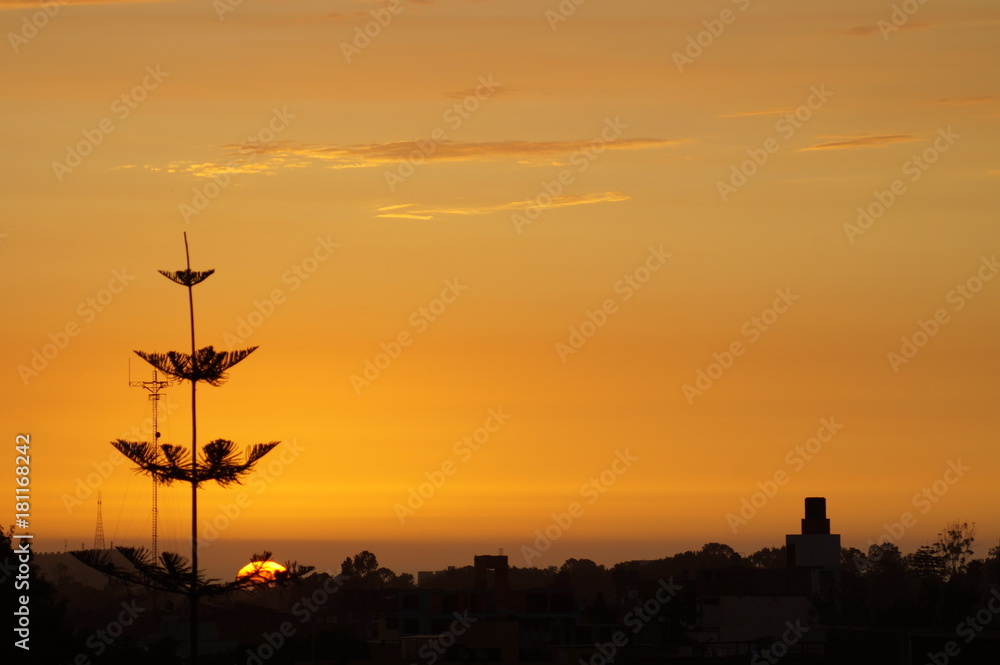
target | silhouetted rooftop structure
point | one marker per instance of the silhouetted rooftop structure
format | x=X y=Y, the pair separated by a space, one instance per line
x=815 y=547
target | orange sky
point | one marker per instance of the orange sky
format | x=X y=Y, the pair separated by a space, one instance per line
x=591 y=174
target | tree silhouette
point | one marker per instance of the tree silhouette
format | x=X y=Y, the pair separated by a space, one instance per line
x=217 y=461
x=993 y=564
x=768 y=558
x=954 y=546
x=926 y=564
x=365 y=564
x=365 y=572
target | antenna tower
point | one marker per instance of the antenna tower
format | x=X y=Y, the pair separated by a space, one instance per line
x=99 y=533
x=154 y=387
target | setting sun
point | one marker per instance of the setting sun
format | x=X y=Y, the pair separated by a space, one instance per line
x=261 y=571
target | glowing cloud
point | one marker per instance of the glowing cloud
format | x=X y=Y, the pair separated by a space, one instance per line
x=862 y=141
x=557 y=202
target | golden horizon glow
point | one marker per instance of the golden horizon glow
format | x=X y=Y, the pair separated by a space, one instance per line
x=488 y=213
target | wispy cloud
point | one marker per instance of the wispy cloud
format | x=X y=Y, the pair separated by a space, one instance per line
x=846 y=142
x=378 y=154
x=36 y=4
x=352 y=15
x=408 y=211
x=276 y=156
x=232 y=167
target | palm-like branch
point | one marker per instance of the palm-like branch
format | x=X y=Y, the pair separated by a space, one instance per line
x=172 y=465
x=186 y=277
x=177 y=456
x=218 y=461
x=172 y=572
x=206 y=365
x=174 y=576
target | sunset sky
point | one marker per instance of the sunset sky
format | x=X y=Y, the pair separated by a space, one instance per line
x=686 y=236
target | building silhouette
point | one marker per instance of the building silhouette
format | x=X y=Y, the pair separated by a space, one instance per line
x=807 y=602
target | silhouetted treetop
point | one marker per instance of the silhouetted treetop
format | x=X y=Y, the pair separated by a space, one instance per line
x=954 y=546
x=364 y=571
x=186 y=277
x=206 y=365
x=218 y=461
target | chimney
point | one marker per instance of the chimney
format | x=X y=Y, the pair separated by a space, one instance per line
x=815 y=521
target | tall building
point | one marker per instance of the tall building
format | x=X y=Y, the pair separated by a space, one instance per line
x=815 y=547
x=740 y=609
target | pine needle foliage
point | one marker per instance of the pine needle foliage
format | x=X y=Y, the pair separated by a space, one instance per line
x=206 y=364
x=218 y=461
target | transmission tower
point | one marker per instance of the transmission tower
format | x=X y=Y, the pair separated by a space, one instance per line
x=99 y=532
x=154 y=387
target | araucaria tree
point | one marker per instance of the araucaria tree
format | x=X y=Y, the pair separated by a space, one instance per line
x=217 y=461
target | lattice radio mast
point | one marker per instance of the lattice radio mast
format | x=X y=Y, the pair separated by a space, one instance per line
x=99 y=532
x=154 y=387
